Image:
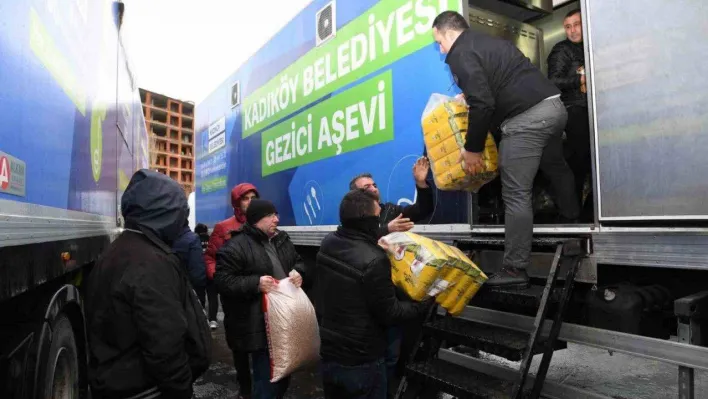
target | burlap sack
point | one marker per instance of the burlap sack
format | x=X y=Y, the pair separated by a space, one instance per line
x=291 y=326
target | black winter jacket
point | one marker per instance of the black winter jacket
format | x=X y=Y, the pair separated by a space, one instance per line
x=355 y=298
x=240 y=263
x=563 y=61
x=422 y=209
x=188 y=248
x=146 y=328
x=498 y=80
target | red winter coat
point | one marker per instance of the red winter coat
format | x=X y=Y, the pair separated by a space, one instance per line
x=223 y=228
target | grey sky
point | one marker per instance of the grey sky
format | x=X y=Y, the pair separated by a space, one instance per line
x=185 y=48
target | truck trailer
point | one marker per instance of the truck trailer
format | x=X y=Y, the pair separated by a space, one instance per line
x=72 y=135
x=340 y=90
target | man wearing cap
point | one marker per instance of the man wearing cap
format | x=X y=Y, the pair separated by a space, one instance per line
x=247 y=266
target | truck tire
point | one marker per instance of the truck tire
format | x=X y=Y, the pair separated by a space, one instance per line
x=61 y=376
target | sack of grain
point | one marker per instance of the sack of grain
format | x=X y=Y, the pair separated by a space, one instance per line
x=292 y=330
x=444 y=129
x=427 y=268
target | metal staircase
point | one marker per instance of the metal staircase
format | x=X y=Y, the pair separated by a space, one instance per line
x=433 y=374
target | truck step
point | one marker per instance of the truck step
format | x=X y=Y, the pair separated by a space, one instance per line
x=572 y=246
x=498 y=341
x=459 y=381
x=510 y=297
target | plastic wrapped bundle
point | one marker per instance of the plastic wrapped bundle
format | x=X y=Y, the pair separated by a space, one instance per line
x=415 y=262
x=427 y=268
x=454 y=300
x=444 y=124
x=291 y=326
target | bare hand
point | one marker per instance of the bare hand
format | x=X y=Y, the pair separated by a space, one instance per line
x=583 y=87
x=400 y=224
x=267 y=284
x=472 y=162
x=295 y=278
x=420 y=171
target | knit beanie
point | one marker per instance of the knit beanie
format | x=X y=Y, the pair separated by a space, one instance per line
x=258 y=209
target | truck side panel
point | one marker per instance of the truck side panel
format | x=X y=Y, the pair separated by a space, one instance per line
x=63 y=159
x=302 y=152
x=58 y=102
x=649 y=91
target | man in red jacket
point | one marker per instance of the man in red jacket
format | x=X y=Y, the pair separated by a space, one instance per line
x=241 y=197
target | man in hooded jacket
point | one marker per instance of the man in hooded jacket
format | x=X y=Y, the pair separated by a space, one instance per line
x=241 y=197
x=148 y=336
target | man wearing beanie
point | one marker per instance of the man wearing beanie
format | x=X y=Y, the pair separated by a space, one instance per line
x=241 y=197
x=356 y=302
x=246 y=267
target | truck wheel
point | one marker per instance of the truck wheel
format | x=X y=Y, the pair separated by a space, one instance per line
x=61 y=378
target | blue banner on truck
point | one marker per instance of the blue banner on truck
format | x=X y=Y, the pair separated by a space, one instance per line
x=339 y=91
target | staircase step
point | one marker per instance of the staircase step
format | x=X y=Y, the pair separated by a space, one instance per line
x=498 y=341
x=459 y=381
x=529 y=297
x=574 y=246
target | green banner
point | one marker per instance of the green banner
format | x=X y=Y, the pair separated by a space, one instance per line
x=214 y=184
x=388 y=31
x=353 y=119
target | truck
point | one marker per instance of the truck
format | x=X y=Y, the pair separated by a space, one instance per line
x=340 y=90
x=72 y=135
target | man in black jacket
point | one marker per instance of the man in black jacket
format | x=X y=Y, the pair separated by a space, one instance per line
x=356 y=301
x=566 y=69
x=399 y=218
x=503 y=89
x=147 y=332
x=247 y=266
x=394 y=217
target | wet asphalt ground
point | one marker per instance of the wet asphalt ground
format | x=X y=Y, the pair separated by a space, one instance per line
x=615 y=375
x=219 y=382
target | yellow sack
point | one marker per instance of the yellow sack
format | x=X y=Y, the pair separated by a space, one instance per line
x=457 y=309
x=473 y=271
x=444 y=129
x=473 y=281
x=427 y=268
x=415 y=262
x=449 y=299
x=449 y=273
x=460 y=292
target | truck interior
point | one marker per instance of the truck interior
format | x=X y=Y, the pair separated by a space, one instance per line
x=534 y=31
